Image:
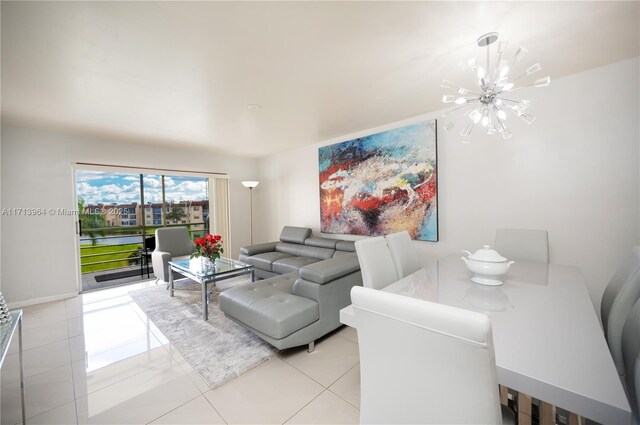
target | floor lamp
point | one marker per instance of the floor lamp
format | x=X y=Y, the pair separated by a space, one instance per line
x=251 y=184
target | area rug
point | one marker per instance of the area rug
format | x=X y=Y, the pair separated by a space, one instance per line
x=218 y=349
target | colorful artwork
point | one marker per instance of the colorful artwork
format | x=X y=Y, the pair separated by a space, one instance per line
x=382 y=183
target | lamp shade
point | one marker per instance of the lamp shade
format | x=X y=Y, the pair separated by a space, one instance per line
x=250 y=183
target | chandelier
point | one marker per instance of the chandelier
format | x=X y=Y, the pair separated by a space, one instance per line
x=489 y=103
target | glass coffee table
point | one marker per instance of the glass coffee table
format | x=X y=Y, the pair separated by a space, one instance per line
x=223 y=268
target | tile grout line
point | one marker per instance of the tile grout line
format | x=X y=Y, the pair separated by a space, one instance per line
x=214 y=408
x=310 y=401
x=27 y=417
x=346 y=401
x=342 y=398
x=319 y=383
x=298 y=370
x=125 y=378
x=175 y=408
x=44 y=371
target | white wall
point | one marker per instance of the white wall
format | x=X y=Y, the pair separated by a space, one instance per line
x=573 y=172
x=39 y=255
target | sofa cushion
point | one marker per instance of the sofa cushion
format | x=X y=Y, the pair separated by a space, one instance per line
x=258 y=249
x=291 y=264
x=298 y=250
x=321 y=242
x=346 y=246
x=330 y=270
x=265 y=260
x=269 y=307
x=295 y=234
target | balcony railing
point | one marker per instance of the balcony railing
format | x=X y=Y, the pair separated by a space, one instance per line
x=112 y=248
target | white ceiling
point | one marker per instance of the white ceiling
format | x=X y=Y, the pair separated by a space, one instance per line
x=183 y=73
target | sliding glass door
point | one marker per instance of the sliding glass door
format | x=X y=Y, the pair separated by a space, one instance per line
x=119 y=213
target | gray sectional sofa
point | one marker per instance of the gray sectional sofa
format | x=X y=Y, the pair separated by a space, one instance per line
x=307 y=281
x=295 y=249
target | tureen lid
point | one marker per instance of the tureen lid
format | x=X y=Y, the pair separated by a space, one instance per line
x=487 y=254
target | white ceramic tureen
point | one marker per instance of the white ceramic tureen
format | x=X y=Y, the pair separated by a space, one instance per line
x=486 y=265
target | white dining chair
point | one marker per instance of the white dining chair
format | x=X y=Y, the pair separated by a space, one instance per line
x=631 y=357
x=376 y=265
x=403 y=253
x=422 y=362
x=523 y=244
x=619 y=296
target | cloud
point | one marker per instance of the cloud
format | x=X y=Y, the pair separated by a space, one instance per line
x=192 y=186
x=100 y=187
x=89 y=175
x=152 y=182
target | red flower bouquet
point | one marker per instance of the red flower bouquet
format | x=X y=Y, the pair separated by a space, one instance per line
x=209 y=246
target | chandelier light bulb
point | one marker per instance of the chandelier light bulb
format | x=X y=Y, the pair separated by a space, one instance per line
x=490 y=106
x=542 y=82
x=448 y=98
x=475 y=116
x=524 y=104
x=466 y=131
x=520 y=54
x=533 y=68
x=485 y=117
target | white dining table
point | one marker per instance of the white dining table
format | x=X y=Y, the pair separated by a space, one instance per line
x=547 y=337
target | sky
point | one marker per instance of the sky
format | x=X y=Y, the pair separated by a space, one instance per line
x=108 y=187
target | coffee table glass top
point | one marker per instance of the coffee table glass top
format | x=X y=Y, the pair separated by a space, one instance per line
x=220 y=267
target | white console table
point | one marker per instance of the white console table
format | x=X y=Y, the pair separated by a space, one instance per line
x=7 y=331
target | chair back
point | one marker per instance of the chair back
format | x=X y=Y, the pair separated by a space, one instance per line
x=174 y=240
x=403 y=254
x=422 y=362
x=523 y=244
x=376 y=265
x=149 y=243
x=619 y=296
x=631 y=356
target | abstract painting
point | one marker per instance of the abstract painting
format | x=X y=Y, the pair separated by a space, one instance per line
x=382 y=183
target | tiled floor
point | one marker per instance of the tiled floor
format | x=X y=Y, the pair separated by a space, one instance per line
x=96 y=358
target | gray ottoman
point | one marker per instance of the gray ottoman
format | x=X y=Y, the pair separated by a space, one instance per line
x=296 y=308
x=269 y=307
